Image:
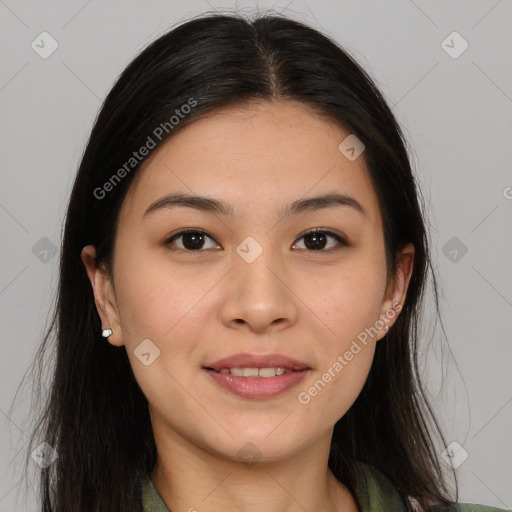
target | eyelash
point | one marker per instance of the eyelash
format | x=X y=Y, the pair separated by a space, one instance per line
x=342 y=241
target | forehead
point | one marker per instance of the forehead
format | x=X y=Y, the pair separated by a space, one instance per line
x=253 y=157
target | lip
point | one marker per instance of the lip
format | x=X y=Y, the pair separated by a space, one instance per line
x=258 y=388
x=247 y=360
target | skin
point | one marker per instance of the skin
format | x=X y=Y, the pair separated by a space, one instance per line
x=305 y=303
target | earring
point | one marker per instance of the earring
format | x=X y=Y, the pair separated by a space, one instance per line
x=386 y=328
x=106 y=333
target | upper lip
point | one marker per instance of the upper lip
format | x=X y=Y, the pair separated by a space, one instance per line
x=246 y=360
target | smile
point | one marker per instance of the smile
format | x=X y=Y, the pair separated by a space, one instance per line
x=256 y=383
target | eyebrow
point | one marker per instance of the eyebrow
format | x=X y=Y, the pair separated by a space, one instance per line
x=210 y=205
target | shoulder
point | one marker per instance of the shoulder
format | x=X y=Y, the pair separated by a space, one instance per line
x=469 y=507
x=151 y=500
x=376 y=492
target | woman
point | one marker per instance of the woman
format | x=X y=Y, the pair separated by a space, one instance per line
x=242 y=273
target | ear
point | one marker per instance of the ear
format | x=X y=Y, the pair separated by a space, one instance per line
x=396 y=291
x=104 y=295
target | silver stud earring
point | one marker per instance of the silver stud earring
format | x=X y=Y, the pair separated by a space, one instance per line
x=386 y=328
x=106 y=333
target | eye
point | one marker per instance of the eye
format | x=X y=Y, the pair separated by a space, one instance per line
x=316 y=240
x=193 y=239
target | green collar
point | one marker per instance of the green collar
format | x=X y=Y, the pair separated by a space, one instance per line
x=374 y=492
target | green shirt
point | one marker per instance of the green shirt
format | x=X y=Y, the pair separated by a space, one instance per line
x=374 y=492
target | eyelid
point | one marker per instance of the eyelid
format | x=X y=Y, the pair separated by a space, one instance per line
x=342 y=240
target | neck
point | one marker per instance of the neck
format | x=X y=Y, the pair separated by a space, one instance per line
x=190 y=478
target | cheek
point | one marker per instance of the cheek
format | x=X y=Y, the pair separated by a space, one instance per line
x=331 y=393
x=349 y=304
x=348 y=300
x=162 y=306
x=344 y=365
x=152 y=296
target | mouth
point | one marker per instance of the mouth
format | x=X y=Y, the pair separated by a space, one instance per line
x=256 y=383
x=251 y=365
x=257 y=376
x=258 y=373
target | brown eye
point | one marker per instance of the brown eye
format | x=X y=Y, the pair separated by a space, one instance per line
x=317 y=240
x=193 y=240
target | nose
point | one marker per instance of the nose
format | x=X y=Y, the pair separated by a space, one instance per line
x=258 y=297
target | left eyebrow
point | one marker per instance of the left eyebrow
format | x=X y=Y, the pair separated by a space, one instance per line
x=210 y=205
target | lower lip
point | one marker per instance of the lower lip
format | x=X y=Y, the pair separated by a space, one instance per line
x=257 y=387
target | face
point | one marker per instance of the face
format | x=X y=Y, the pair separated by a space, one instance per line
x=250 y=280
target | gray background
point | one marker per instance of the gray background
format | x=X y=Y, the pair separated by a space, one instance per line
x=455 y=112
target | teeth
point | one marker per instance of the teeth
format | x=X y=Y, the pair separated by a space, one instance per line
x=255 y=372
